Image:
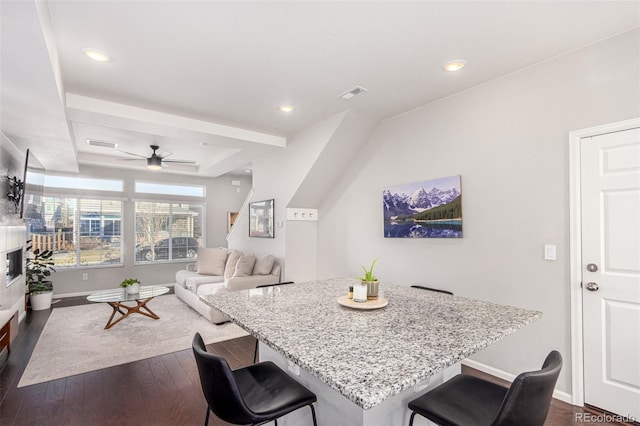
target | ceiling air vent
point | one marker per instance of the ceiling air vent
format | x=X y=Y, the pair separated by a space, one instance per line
x=102 y=144
x=352 y=92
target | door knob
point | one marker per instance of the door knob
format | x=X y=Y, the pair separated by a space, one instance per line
x=592 y=286
x=592 y=267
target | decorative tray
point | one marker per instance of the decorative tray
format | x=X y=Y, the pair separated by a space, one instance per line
x=378 y=303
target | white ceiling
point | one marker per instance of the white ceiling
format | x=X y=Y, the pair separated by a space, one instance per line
x=203 y=79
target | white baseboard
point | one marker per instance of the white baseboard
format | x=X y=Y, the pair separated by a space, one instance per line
x=501 y=374
x=87 y=293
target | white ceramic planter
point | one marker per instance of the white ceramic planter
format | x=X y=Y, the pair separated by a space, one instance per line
x=42 y=301
x=133 y=288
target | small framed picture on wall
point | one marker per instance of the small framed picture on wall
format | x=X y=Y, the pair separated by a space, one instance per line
x=231 y=219
x=261 y=219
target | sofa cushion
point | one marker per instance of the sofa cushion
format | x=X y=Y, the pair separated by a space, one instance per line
x=244 y=267
x=245 y=283
x=211 y=261
x=232 y=261
x=193 y=283
x=182 y=275
x=209 y=289
x=264 y=265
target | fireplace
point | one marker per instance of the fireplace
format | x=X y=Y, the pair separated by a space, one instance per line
x=13 y=265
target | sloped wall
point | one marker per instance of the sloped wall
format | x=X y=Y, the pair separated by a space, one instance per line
x=277 y=176
x=300 y=176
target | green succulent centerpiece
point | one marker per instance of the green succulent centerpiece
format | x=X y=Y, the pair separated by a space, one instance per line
x=368 y=273
x=371 y=281
x=128 y=282
x=131 y=285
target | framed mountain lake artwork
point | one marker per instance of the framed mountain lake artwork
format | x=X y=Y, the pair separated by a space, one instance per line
x=426 y=209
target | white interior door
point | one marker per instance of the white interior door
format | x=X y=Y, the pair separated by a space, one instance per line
x=610 y=192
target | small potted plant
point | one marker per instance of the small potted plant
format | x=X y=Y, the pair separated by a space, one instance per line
x=38 y=270
x=131 y=285
x=371 y=281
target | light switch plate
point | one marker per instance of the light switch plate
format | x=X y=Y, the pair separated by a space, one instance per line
x=549 y=252
x=302 y=214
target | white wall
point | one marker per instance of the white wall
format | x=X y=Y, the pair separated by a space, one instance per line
x=12 y=231
x=221 y=197
x=278 y=176
x=509 y=141
x=301 y=176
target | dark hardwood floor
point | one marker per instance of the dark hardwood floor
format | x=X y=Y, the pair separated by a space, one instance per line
x=164 y=390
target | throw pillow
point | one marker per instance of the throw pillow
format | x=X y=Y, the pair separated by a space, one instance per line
x=264 y=265
x=211 y=260
x=244 y=267
x=232 y=261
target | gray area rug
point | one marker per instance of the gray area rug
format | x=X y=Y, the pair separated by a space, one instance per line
x=74 y=340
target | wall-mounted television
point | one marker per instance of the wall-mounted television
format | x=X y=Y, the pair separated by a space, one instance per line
x=33 y=199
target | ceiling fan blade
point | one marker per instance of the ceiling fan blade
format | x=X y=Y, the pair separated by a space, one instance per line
x=130 y=159
x=132 y=153
x=179 y=161
x=165 y=154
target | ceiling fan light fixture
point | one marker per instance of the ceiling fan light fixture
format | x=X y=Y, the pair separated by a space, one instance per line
x=154 y=163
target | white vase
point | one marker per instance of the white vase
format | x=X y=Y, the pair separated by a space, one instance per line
x=133 y=288
x=42 y=301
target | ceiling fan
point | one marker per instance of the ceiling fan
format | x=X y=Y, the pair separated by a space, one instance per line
x=156 y=160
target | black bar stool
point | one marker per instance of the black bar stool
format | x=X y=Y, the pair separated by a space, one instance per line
x=469 y=401
x=254 y=395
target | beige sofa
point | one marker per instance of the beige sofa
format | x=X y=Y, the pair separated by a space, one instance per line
x=221 y=269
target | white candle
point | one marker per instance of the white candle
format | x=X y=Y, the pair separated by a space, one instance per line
x=360 y=292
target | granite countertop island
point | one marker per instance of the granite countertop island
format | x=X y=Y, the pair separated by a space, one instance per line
x=369 y=356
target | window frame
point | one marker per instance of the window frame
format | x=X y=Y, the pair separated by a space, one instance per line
x=77 y=231
x=195 y=201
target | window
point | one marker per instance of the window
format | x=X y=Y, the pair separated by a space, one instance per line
x=169 y=189
x=168 y=231
x=80 y=231
x=74 y=182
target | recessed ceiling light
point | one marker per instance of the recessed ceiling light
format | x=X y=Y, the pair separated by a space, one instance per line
x=95 y=54
x=247 y=171
x=286 y=108
x=454 y=65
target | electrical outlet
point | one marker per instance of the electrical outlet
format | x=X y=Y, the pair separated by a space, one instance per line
x=85 y=276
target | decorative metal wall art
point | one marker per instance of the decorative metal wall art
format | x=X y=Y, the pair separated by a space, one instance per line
x=16 y=192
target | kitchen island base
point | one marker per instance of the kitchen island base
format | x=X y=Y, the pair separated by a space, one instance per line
x=334 y=409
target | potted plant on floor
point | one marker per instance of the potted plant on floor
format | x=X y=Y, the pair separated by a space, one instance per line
x=131 y=285
x=38 y=270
